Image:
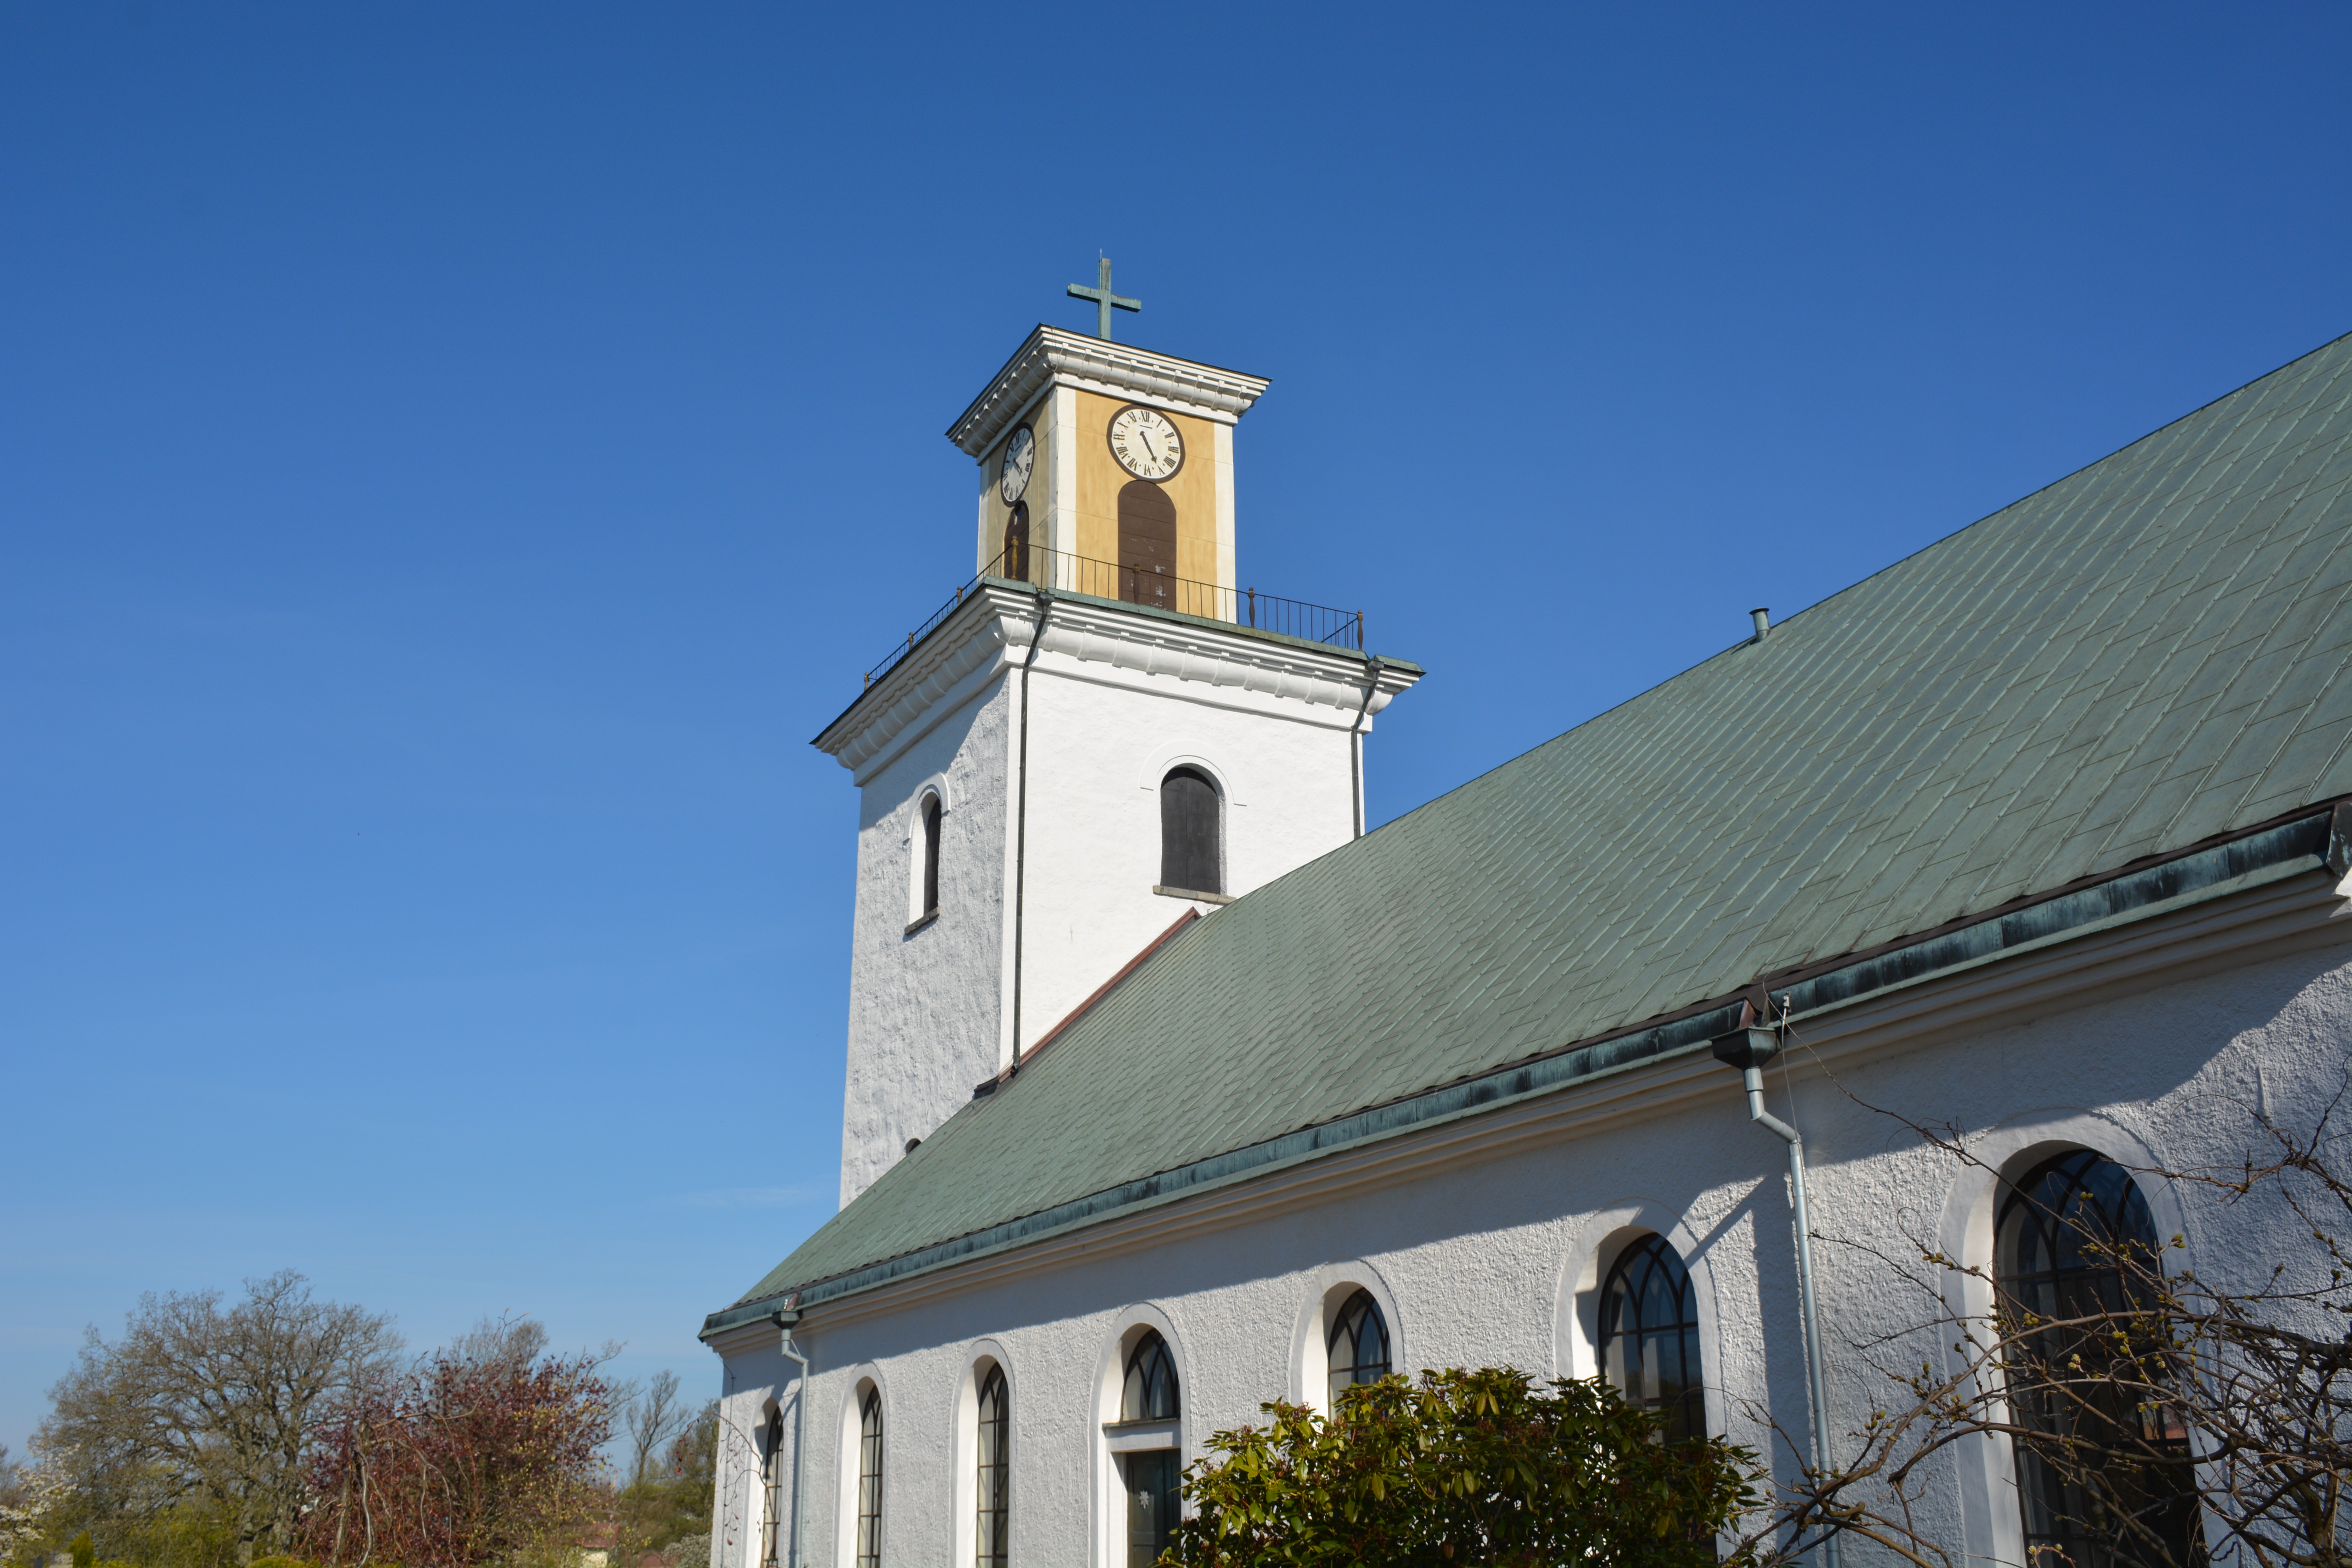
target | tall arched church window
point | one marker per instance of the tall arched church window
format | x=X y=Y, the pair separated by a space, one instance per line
x=931 y=815
x=994 y=1493
x=2072 y=1240
x=1146 y=545
x=1191 y=833
x=772 y=1487
x=1015 y=562
x=1150 y=1393
x=869 y=1482
x=1649 y=1336
x=1359 y=1346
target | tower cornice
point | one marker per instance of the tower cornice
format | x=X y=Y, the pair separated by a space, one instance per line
x=1103 y=639
x=1052 y=357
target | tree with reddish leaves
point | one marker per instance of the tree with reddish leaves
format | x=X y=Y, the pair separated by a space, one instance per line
x=484 y=1453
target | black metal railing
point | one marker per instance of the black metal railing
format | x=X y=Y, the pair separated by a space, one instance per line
x=1065 y=572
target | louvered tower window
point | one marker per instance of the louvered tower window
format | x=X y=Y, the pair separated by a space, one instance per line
x=1015 y=562
x=1146 y=545
x=1191 y=833
x=931 y=815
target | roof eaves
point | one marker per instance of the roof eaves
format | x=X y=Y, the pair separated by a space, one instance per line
x=2309 y=839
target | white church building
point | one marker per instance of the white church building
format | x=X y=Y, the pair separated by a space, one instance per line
x=1171 y=1090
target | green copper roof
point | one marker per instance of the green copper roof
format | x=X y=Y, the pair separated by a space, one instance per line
x=2144 y=656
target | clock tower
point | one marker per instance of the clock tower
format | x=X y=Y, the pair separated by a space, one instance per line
x=1092 y=451
x=1102 y=737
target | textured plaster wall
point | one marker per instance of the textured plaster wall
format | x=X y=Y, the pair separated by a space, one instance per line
x=1496 y=1262
x=1096 y=755
x=924 y=1020
x=929 y=1010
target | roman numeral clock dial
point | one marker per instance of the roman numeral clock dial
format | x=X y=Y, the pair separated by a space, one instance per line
x=1146 y=443
x=1020 y=457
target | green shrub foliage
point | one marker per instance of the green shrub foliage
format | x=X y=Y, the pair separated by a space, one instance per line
x=1466 y=1467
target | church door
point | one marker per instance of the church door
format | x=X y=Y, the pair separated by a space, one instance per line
x=1146 y=545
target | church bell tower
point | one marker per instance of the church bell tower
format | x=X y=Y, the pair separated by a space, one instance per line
x=1100 y=737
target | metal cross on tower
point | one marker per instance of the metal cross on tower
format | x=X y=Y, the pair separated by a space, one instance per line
x=1105 y=300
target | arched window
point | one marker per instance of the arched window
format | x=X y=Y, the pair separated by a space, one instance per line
x=2073 y=1240
x=1360 y=1346
x=869 y=1482
x=1649 y=1336
x=1191 y=833
x=1150 y=1393
x=996 y=1491
x=1015 y=562
x=1146 y=545
x=931 y=815
x=772 y=1487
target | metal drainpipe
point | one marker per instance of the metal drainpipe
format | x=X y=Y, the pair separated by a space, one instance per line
x=1021 y=816
x=1356 y=740
x=784 y=1321
x=1749 y=1048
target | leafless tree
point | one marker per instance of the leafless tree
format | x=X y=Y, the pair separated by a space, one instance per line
x=2171 y=1420
x=651 y=1418
x=196 y=1401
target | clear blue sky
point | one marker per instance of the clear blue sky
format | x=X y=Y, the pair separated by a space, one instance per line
x=453 y=457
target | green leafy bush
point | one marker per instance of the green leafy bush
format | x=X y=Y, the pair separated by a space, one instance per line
x=1467 y=1468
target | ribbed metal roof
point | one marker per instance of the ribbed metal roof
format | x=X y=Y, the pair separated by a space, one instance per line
x=2149 y=653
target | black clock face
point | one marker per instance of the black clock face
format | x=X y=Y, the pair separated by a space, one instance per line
x=1020 y=457
x=1146 y=442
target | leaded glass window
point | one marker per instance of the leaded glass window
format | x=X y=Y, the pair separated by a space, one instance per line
x=1358 y=1346
x=772 y=1486
x=2073 y=1240
x=995 y=1491
x=869 y=1482
x=1150 y=1393
x=1649 y=1336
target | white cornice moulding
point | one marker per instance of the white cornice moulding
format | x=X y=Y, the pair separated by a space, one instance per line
x=1052 y=357
x=1088 y=640
x=748 y=1338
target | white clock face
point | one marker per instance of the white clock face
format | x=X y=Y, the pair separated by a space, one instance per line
x=1146 y=443
x=1020 y=457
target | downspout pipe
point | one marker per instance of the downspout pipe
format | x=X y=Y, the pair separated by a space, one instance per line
x=784 y=1321
x=1020 y=815
x=1355 y=740
x=1749 y=1048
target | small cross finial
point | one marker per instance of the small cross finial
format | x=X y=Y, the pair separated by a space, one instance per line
x=1105 y=300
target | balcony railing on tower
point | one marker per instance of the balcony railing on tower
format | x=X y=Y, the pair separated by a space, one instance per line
x=1065 y=572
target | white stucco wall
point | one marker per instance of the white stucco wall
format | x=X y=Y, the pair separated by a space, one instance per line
x=1494 y=1260
x=1099 y=749
x=1115 y=699
x=923 y=1005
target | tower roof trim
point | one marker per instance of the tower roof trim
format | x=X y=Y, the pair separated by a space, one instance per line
x=1051 y=356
